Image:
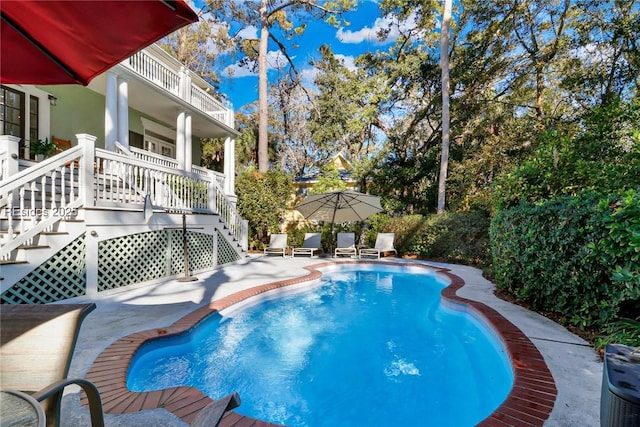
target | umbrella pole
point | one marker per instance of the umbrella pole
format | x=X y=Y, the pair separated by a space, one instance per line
x=331 y=240
x=333 y=220
x=186 y=277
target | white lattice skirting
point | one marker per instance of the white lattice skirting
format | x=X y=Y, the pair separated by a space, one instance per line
x=122 y=261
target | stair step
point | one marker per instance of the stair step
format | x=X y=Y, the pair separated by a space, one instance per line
x=30 y=247
x=13 y=261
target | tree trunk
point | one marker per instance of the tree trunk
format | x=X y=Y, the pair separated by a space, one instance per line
x=539 y=93
x=444 y=64
x=263 y=105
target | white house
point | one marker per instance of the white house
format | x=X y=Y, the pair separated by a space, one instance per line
x=77 y=223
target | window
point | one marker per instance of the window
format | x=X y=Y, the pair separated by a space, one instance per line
x=33 y=118
x=159 y=144
x=18 y=118
x=12 y=113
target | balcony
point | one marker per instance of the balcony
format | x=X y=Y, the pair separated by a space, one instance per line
x=155 y=66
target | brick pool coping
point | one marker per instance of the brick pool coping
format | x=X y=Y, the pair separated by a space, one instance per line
x=528 y=404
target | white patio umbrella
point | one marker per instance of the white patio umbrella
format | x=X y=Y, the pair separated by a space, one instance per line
x=339 y=206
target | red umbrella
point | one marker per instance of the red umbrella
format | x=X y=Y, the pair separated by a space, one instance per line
x=58 y=42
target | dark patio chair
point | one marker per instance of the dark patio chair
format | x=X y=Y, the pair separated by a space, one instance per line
x=36 y=346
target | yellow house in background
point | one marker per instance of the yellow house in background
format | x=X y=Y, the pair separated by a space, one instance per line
x=302 y=187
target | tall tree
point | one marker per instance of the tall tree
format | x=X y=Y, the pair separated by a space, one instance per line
x=444 y=64
x=277 y=21
x=198 y=46
x=356 y=126
x=604 y=57
x=296 y=149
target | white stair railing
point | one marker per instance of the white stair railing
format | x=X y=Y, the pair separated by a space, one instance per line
x=169 y=190
x=123 y=178
x=81 y=176
x=44 y=194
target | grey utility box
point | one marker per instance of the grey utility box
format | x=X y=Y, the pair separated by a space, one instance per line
x=620 y=398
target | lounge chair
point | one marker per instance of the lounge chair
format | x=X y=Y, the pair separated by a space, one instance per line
x=36 y=346
x=311 y=245
x=346 y=245
x=277 y=244
x=384 y=243
x=211 y=415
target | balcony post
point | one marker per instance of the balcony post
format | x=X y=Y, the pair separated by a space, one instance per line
x=85 y=176
x=111 y=112
x=188 y=148
x=180 y=142
x=123 y=111
x=185 y=84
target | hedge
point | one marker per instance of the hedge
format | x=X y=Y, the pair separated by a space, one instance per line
x=460 y=237
x=578 y=256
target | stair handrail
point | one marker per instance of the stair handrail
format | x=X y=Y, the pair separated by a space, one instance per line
x=219 y=203
x=238 y=227
x=169 y=188
x=36 y=220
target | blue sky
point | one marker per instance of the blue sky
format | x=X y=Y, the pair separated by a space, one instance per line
x=347 y=42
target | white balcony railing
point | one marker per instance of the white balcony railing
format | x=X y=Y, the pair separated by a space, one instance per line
x=170 y=79
x=155 y=71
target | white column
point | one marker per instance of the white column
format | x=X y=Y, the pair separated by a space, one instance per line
x=85 y=174
x=188 y=148
x=123 y=111
x=180 y=142
x=229 y=166
x=111 y=112
x=12 y=144
x=185 y=85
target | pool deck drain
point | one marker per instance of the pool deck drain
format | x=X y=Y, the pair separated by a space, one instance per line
x=529 y=403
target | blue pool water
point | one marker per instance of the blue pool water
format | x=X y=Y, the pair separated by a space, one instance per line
x=365 y=346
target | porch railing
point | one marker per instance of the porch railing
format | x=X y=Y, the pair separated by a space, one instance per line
x=172 y=80
x=157 y=159
x=43 y=195
x=168 y=188
x=155 y=71
x=86 y=176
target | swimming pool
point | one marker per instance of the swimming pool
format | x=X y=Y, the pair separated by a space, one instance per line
x=368 y=345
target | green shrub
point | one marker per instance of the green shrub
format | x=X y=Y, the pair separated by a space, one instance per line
x=602 y=155
x=262 y=199
x=620 y=249
x=624 y=331
x=460 y=237
x=575 y=255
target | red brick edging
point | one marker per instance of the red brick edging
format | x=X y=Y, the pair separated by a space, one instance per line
x=528 y=404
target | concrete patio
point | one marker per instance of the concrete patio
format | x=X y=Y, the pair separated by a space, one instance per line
x=575 y=366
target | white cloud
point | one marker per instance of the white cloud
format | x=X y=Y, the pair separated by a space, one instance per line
x=347 y=61
x=250 y=32
x=236 y=71
x=370 y=34
x=308 y=76
x=275 y=61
